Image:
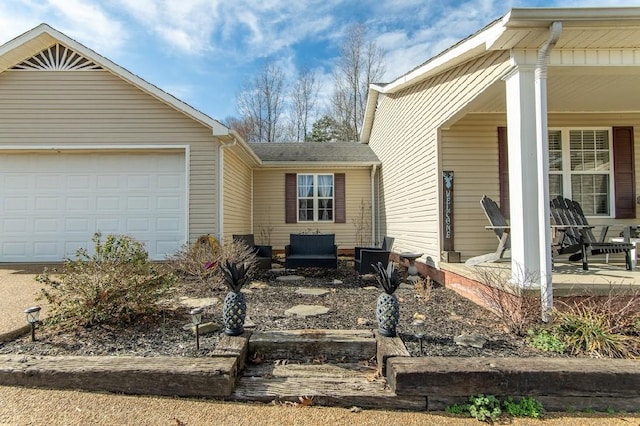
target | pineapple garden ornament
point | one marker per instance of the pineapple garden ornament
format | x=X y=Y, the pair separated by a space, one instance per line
x=387 y=309
x=234 y=310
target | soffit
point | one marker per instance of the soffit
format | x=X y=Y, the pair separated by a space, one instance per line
x=576 y=89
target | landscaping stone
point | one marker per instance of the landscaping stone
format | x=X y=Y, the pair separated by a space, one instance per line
x=258 y=285
x=337 y=282
x=364 y=321
x=289 y=278
x=472 y=340
x=205 y=302
x=312 y=291
x=306 y=310
x=248 y=323
x=368 y=277
x=406 y=286
x=370 y=288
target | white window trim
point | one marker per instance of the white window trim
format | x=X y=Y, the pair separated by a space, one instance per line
x=566 y=165
x=316 y=198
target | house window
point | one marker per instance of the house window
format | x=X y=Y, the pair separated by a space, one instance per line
x=315 y=198
x=595 y=167
x=580 y=168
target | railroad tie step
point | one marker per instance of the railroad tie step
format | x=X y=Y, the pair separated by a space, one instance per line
x=337 y=384
x=314 y=344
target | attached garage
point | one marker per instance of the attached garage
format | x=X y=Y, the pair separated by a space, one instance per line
x=51 y=202
x=86 y=146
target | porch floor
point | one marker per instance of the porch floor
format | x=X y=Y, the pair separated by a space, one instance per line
x=567 y=279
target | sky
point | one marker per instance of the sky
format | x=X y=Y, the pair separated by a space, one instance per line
x=202 y=51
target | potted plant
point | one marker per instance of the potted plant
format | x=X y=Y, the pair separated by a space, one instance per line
x=387 y=309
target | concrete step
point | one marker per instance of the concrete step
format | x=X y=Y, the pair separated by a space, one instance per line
x=318 y=344
x=339 y=384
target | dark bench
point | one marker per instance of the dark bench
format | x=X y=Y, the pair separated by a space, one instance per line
x=311 y=250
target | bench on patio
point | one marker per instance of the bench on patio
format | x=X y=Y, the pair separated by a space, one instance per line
x=311 y=250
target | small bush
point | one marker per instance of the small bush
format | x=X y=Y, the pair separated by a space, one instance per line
x=113 y=286
x=488 y=408
x=189 y=262
x=199 y=262
x=424 y=289
x=600 y=326
x=484 y=408
x=516 y=306
x=525 y=407
x=546 y=341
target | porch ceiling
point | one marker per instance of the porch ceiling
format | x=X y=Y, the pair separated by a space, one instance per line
x=576 y=89
x=575 y=35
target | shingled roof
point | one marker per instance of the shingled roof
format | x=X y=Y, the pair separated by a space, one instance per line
x=315 y=152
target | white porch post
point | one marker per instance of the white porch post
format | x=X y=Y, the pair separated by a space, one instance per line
x=523 y=177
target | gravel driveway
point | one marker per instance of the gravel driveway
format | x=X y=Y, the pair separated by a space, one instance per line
x=18 y=290
x=20 y=406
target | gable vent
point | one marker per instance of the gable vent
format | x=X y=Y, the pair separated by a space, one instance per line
x=57 y=58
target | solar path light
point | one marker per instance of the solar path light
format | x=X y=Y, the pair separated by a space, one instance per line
x=33 y=317
x=196 y=319
x=419 y=328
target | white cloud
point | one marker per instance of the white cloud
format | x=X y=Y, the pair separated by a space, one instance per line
x=82 y=20
x=89 y=24
x=409 y=45
x=184 y=25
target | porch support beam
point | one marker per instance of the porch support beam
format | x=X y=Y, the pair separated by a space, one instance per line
x=523 y=176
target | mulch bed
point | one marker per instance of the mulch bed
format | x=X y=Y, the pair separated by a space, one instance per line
x=351 y=304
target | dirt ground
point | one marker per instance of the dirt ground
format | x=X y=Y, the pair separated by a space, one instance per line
x=351 y=303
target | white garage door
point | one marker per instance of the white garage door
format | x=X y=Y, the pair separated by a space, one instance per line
x=52 y=203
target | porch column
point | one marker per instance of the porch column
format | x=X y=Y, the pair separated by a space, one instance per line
x=523 y=176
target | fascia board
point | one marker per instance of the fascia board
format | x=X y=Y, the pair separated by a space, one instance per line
x=369 y=112
x=468 y=49
x=522 y=17
x=316 y=164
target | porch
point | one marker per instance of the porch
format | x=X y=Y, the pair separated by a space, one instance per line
x=568 y=278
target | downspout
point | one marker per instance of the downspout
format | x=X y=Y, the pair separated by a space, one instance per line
x=544 y=238
x=221 y=148
x=373 y=204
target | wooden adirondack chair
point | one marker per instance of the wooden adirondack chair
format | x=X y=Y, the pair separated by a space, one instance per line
x=501 y=227
x=575 y=235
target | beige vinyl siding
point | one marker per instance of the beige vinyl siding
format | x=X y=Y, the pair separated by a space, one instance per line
x=405 y=138
x=236 y=195
x=98 y=108
x=269 y=207
x=470 y=149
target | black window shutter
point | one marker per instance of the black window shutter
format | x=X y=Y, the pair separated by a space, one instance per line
x=290 y=198
x=624 y=172
x=503 y=171
x=340 y=204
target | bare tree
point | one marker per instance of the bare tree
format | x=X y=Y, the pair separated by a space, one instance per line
x=361 y=63
x=242 y=126
x=260 y=103
x=304 y=101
